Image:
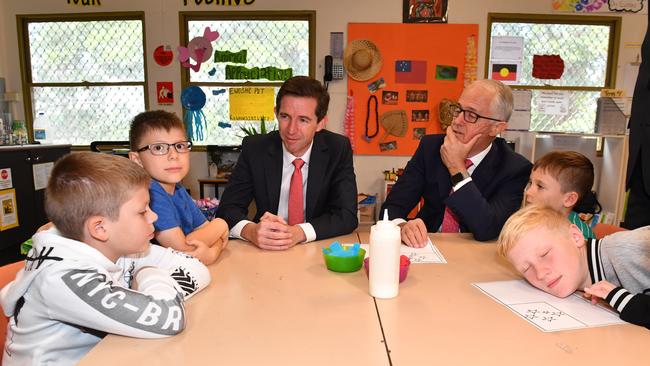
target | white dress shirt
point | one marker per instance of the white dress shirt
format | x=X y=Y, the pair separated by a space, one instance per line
x=283 y=204
x=476 y=160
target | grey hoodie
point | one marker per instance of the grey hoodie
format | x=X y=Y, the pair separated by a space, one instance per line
x=69 y=296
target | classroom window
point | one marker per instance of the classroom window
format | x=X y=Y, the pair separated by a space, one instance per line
x=588 y=47
x=279 y=39
x=86 y=72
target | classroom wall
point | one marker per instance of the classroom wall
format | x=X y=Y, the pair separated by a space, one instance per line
x=161 y=18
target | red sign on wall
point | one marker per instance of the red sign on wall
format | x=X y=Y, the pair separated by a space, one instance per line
x=165 y=92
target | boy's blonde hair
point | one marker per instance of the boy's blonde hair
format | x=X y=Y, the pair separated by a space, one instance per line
x=88 y=184
x=529 y=218
x=148 y=121
x=572 y=170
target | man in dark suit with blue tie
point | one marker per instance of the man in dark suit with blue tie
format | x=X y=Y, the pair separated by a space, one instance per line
x=638 y=166
x=470 y=180
x=301 y=177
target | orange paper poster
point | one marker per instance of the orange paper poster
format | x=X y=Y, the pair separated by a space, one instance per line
x=421 y=64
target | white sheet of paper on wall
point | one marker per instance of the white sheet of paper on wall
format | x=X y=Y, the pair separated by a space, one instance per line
x=41 y=174
x=5 y=178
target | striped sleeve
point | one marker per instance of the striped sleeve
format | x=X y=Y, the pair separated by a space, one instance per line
x=633 y=308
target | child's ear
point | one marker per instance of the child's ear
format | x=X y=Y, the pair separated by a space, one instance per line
x=576 y=236
x=97 y=228
x=570 y=199
x=134 y=156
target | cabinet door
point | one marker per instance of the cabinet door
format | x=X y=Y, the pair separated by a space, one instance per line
x=43 y=156
x=21 y=173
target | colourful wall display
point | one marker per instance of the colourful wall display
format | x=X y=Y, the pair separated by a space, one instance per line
x=421 y=65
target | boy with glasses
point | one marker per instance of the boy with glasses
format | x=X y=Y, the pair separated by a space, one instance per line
x=470 y=180
x=159 y=144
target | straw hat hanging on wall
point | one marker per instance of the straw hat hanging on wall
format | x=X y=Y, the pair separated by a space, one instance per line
x=362 y=59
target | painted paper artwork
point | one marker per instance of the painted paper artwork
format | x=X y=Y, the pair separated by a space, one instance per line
x=504 y=72
x=548 y=66
x=424 y=11
x=601 y=6
x=410 y=72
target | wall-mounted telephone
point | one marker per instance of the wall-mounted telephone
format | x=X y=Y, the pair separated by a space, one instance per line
x=329 y=61
x=333 y=71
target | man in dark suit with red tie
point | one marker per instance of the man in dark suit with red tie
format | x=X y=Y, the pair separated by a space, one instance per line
x=638 y=166
x=470 y=180
x=301 y=177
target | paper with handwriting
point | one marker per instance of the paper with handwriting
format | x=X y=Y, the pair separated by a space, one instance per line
x=545 y=311
x=427 y=254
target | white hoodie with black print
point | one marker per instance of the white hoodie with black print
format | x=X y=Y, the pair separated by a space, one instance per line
x=69 y=295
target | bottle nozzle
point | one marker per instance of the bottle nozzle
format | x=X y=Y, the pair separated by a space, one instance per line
x=385 y=215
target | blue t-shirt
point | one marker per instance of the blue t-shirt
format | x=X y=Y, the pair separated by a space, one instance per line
x=177 y=210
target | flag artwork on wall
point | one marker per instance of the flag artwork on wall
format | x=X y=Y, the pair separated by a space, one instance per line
x=504 y=72
x=410 y=72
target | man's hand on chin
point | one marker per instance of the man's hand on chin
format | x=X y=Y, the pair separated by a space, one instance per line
x=453 y=152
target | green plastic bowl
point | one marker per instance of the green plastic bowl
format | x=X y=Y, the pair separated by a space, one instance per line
x=344 y=264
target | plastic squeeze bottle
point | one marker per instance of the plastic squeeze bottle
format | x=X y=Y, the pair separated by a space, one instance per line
x=385 y=241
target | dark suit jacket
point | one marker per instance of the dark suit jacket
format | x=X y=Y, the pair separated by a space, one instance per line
x=482 y=206
x=331 y=203
x=640 y=118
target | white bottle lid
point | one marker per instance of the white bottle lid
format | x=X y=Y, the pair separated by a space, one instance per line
x=385 y=223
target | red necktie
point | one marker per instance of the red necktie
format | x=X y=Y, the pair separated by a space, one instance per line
x=296 y=212
x=449 y=220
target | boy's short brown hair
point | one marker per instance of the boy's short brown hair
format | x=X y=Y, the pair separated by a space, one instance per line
x=572 y=170
x=88 y=184
x=529 y=218
x=151 y=121
x=305 y=86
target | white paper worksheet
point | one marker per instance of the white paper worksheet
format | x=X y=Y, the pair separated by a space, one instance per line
x=545 y=311
x=427 y=254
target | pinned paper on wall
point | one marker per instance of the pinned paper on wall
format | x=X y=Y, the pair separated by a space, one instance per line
x=41 y=174
x=410 y=72
x=444 y=72
x=520 y=117
x=9 y=217
x=553 y=102
x=163 y=55
x=251 y=104
x=165 y=92
x=504 y=72
x=5 y=178
x=600 y=6
x=506 y=55
x=198 y=49
x=239 y=57
x=548 y=66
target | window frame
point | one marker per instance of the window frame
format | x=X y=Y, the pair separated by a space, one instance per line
x=613 y=48
x=22 y=23
x=185 y=17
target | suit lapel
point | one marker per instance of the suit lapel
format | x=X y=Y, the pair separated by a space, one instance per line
x=486 y=171
x=273 y=171
x=317 y=165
